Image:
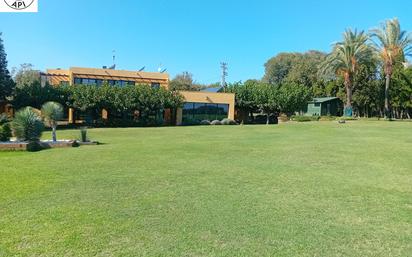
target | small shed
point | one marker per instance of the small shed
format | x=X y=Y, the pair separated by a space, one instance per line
x=324 y=106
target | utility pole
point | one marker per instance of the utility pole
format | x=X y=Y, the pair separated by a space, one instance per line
x=223 y=66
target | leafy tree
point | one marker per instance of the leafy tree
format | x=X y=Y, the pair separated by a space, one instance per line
x=25 y=76
x=184 y=81
x=299 y=68
x=6 y=83
x=52 y=112
x=266 y=99
x=244 y=98
x=392 y=44
x=345 y=60
x=292 y=97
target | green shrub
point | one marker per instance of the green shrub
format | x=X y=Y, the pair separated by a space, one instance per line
x=228 y=122
x=5 y=130
x=34 y=146
x=346 y=118
x=299 y=118
x=328 y=118
x=83 y=134
x=205 y=122
x=216 y=122
x=27 y=125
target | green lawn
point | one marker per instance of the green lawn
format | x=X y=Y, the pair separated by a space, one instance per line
x=311 y=189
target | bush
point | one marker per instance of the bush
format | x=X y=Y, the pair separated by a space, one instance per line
x=34 y=146
x=216 y=122
x=228 y=122
x=27 y=125
x=300 y=118
x=262 y=119
x=328 y=118
x=205 y=122
x=83 y=134
x=5 y=131
x=346 y=118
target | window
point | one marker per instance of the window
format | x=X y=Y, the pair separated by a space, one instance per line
x=155 y=85
x=77 y=81
x=195 y=112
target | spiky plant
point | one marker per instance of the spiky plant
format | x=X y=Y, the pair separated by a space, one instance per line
x=52 y=112
x=346 y=58
x=27 y=125
x=392 y=44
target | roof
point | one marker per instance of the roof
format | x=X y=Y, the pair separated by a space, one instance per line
x=120 y=73
x=323 y=99
x=212 y=89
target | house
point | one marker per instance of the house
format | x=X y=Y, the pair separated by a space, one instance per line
x=198 y=105
x=324 y=106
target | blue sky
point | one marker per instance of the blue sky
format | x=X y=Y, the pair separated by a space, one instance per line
x=183 y=35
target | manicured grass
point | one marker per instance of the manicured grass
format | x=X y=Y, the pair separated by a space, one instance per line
x=309 y=189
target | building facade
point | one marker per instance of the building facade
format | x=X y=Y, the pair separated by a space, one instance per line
x=92 y=76
x=198 y=105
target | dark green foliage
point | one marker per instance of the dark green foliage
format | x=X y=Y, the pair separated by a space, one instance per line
x=300 y=68
x=255 y=96
x=299 y=118
x=121 y=102
x=36 y=95
x=5 y=130
x=34 y=146
x=27 y=125
x=6 y=83
x=83 y=134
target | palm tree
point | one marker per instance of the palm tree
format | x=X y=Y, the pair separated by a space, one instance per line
x=52 y=112
x=392 y=44
x=346 y=58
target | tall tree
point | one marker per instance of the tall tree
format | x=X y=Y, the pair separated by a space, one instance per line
x=300 y=68
x=346 y=58
x=6 y=83
x=25 y=75
x=184 y=81
x=392 y=44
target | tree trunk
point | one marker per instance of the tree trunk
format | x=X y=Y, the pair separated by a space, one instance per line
x=267 y=119
x=54 y=125
x=348 y=86
x=387 y=107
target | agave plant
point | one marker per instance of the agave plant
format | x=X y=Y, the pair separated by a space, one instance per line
x=345 y=60
x=52 y=112
x=392 y=45
x=27 y=125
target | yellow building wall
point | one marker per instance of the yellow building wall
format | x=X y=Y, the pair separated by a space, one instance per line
x=208 y=97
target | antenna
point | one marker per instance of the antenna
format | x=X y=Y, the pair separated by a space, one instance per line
x=223 y=66
x=160 y=68
x=142 y=69
x=163 y=71
x=114 y=56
